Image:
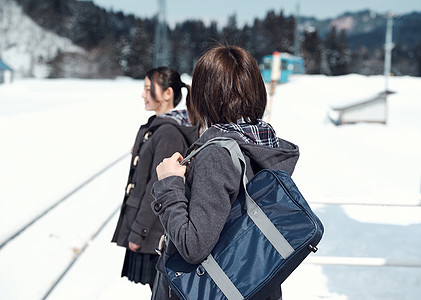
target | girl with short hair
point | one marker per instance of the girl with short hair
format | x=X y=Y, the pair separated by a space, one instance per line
x=193 y=202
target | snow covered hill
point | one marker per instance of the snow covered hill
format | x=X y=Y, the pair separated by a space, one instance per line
x=24 y=45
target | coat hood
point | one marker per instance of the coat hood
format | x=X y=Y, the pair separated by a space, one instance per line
x=178 y=118
x=261 y=157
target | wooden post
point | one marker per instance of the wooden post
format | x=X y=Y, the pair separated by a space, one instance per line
x=275 y=75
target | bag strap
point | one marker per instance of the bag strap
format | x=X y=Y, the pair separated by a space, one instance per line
x=227 y=143
x=255 y=213
x=221 y=279
x=253 y=210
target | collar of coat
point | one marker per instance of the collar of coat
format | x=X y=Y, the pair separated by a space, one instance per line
x=261 y=133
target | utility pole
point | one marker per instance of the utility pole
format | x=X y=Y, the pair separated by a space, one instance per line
x=275 y=76
x=388 y=46
x=160 y=54
x=297 y=33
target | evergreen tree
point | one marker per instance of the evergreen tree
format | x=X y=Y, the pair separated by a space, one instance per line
x=337 y=52
x=417 y=56
x=344 y=59
x=139 y=58
x=230 y=32
x=258 y=40
x=177 y=47
x=277 y=32
x=127 y=41
x=312 y=51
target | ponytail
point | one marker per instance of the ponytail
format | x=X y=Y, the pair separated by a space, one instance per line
x=167 y=78
x=192 y=114
x=188 y=90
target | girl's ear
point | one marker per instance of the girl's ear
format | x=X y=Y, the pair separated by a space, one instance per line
x=168 y=94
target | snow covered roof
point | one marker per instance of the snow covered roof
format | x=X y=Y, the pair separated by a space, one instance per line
x=3 y=66
x=362 y=102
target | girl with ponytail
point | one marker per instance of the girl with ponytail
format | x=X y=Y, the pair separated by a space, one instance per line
x=169 y=130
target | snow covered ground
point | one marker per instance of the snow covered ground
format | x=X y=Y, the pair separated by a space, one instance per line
x=56 y=134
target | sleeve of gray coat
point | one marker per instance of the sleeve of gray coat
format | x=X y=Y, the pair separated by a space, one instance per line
x=194 y=224
x=168 y=140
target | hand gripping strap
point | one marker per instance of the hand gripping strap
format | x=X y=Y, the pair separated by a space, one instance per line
x=255 y=213
x=227 y=143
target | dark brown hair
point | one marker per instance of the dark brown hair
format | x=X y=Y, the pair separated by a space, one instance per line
x=227 y=85
x=165 y=78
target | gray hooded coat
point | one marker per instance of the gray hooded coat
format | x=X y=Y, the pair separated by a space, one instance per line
x=194 y=223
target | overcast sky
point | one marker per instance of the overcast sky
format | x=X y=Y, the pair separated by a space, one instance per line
x=247 y=10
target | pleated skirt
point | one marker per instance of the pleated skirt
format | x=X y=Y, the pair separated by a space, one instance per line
x=139 y=267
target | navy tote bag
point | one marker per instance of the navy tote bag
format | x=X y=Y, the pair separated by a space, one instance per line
x=270 y=231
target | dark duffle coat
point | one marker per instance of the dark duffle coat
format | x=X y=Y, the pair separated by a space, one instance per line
x=159 y=138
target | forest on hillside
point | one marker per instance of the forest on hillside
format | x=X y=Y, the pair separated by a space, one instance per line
x=123 y=45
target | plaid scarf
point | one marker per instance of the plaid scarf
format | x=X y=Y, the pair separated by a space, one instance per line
x=181 y=116
x=261 y=133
